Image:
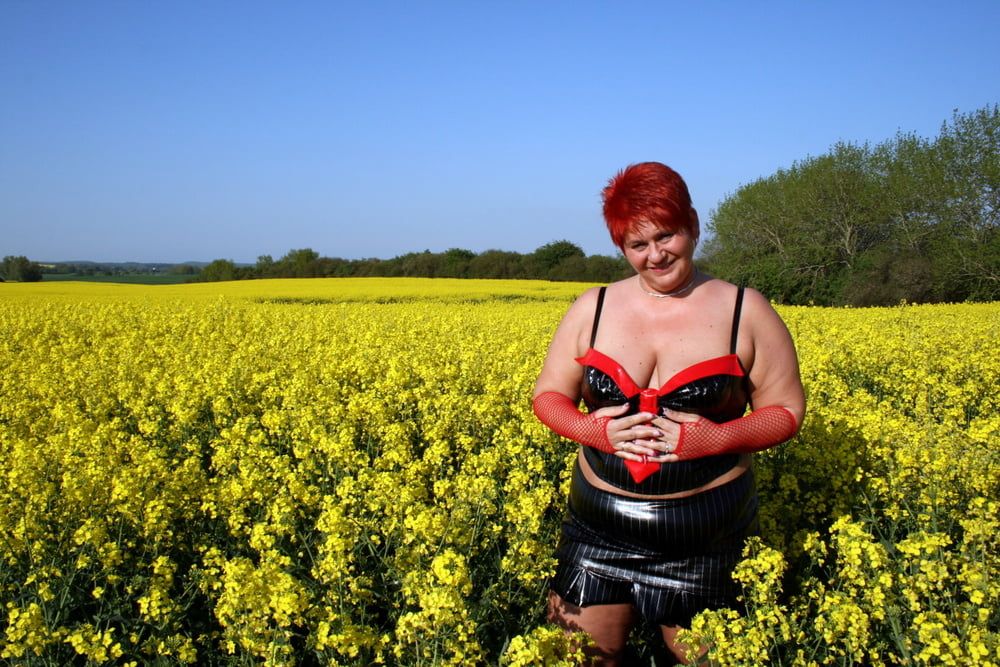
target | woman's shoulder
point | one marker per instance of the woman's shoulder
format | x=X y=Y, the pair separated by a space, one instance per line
x=720 y=289
x=758 y=316
x=585 y=303
x=582 y=309
x=755 y=302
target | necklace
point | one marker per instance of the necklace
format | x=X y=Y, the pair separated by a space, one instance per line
x=677 y=292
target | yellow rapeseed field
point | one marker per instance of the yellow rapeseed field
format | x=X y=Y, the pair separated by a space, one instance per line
x=347 y=471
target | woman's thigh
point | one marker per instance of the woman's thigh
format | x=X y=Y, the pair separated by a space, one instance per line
x=608 y=625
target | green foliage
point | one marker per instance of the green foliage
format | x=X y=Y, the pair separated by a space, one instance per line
x=909 y=219
x=559 y=260
x=184 y=270
x=550 y=256
x=220 y=269
x=20 y=269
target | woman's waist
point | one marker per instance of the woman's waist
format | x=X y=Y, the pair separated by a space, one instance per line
x=730 y=471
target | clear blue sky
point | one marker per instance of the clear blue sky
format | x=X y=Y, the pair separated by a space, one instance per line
x=174 y=131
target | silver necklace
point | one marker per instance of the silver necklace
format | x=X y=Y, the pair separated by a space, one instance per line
x=677 y=292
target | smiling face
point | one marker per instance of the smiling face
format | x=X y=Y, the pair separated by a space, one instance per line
x=662 y=258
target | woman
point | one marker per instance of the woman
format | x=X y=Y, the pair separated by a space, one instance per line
x=667 y=362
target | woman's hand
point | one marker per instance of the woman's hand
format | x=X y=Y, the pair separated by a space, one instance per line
x=669 y=424
x=632 y=437
x=690 y=436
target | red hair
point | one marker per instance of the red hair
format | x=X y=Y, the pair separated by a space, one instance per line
x=647 y=192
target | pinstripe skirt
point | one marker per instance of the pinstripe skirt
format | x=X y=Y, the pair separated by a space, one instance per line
x=670 y=558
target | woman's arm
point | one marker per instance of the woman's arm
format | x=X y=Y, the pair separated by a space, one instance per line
x=776 y=396
x=557 y=391
x=560 y=372
x=774 y=374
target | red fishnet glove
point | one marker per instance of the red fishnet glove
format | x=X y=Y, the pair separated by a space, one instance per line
x=557 y=411
x=758 y=430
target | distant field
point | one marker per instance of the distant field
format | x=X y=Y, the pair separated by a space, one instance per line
x=132 y=279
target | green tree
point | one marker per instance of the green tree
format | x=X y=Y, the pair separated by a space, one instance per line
x=424 y=264
x=969 y=149
x=299 y=263
x=552 y=254
x=184 y=270
x=798 y=233
x=218 y=270
x=265 y=266
x=455 y=263
x=497 y=264
x=20 y=269
x=604 y=269
x=911 y=218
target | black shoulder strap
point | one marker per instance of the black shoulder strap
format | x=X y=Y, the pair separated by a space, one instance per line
x=736 y=319
x=597 y=315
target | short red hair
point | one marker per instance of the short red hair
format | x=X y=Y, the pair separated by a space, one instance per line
x=647 y=192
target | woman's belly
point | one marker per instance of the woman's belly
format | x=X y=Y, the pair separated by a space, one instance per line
x=733 y=473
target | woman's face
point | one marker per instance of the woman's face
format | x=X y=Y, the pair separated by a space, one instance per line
x=662 y=258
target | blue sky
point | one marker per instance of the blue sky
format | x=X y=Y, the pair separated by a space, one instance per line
x=176 y=131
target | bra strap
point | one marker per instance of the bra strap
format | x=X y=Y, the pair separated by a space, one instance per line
x=736 y=320
x=597 y=315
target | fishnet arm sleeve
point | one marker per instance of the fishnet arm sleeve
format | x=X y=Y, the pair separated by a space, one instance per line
x=758 y=430
x=557 y=411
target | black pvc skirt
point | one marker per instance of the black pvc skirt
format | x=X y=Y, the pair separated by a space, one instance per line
x=670 y=558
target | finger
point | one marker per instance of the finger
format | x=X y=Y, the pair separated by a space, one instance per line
x=640 y=418
x=680 y=417
x=653 y=447
x=612 y=410
x=645 y=433
x=663 y=445
x=670 y=429
x=635 y=448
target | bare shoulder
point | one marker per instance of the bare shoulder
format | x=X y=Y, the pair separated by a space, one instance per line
x=718 y=295
x=579 y=317
x=774 y=366
x=560 y=372
x=584 y=306
x=756 y=301
x=759 y=313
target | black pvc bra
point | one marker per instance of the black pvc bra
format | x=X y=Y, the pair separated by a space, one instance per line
x=714 y=388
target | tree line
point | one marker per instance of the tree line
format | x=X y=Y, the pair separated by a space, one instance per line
x=909 y=219
x=19 y=268
x=559 y=260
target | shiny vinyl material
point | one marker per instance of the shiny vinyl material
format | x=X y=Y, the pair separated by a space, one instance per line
x=716 y=389
x=717 y=397
x=669 y=558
